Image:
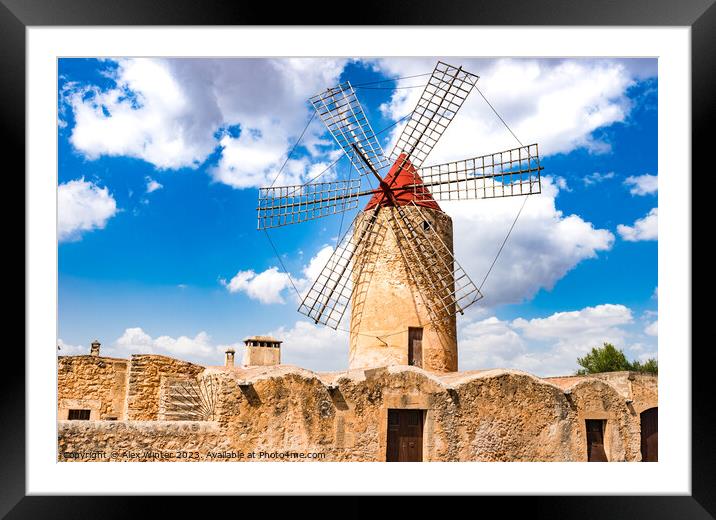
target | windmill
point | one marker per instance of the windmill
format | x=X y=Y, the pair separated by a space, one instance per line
x=394 y=266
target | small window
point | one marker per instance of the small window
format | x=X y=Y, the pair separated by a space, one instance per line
x=426 y=225
x=78 y=415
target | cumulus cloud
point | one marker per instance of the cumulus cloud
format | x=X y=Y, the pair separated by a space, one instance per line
x=269 y=286
x=82 y=206
x=544 y=346
x=642 y=184
x=313 y=346
x=135 y=341
x=646 y=228
x=265 y=287
x=305 y=344
x=65 y=349
x=576 y=97
x=174 y=113
x=544 y=245
x=652 y=329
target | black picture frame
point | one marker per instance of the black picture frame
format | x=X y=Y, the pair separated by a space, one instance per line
x=700 y=15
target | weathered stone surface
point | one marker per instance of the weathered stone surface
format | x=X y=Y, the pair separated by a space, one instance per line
x=389 y=298
x=92 y=382
x=493 y=415
x=148 y=373
x=261 y=356
x=142 y=441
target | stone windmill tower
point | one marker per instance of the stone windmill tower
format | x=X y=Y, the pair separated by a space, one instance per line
x=394 y=267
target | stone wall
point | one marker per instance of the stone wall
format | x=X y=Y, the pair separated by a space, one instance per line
x=148 y=375
x=494 y=415
x=92 y=382
x=137 y=440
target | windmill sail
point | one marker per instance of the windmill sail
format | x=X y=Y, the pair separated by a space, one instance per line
x=447 y=287
x=330 y=294
x=444 y=94
x=502 y=174
x=284 y=205
x=343 y=115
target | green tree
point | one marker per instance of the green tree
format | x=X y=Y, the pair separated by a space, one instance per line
x=603 y=359
x=650 y=366
x=609 y=359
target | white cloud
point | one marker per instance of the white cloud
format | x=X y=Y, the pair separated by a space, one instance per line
x=313 y=346
x=136 y=341
x=642 y=184
x=652 y=329
x=82 y=206
x=269 y=286
x=556 y=103
x=265 y=287
x=316 y=264
x=544 y=346
x=156 y=112
x=544 y=245
x=564 y=325
x=173 y=113
x=65 y=349
x=596 y=178
x=305 y=345
x=153 y=185
x=646 y=228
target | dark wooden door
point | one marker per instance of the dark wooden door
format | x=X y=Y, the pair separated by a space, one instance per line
x=595 y=441
x=415 y=346
x=650 y=435
x=405 y=436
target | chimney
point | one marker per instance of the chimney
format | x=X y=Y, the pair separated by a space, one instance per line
x=94 y=348
x=262 y=351
x=229 y=362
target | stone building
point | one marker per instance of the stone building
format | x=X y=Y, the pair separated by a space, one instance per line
x=153 y=407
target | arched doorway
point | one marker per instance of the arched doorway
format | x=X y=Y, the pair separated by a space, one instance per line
x=650 y=435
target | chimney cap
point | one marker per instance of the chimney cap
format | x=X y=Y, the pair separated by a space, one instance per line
x=230 y=350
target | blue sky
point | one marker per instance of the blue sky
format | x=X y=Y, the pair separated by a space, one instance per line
x=160 y=160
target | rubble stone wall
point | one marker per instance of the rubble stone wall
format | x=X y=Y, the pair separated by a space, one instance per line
x=495 y=415
x=148 y=374
x=92 y=382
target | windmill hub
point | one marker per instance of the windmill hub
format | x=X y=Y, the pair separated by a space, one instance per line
x=404 y=183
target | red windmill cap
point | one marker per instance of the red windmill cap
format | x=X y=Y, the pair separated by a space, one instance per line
x=406 y=185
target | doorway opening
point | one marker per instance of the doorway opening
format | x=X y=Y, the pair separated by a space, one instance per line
x=595 y=440
x=405 y=435
x=650 y=435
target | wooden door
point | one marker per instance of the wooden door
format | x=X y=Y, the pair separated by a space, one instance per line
x=405 y=436
x=650 y=435
x=595 y=441
x=415 y=346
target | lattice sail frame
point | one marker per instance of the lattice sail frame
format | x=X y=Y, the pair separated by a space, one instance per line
x=444 y=94
x=343 y=115
x=330 y=294
x=284 y=205
x=509 y=173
